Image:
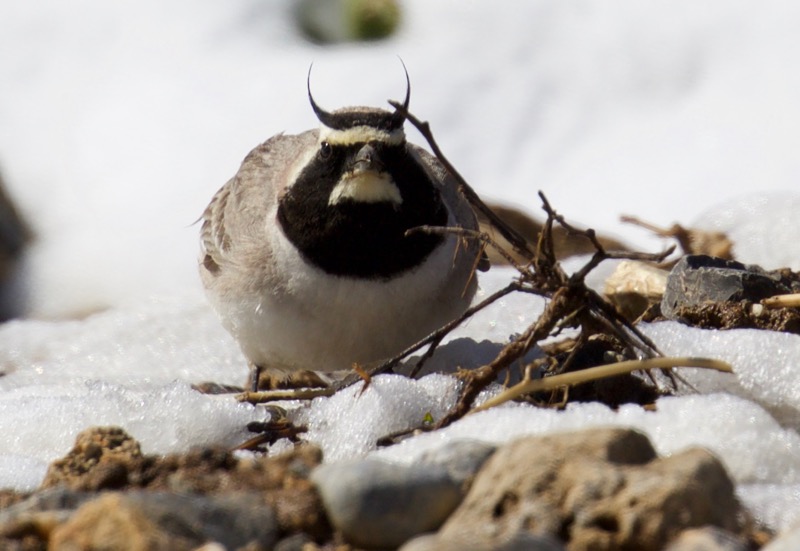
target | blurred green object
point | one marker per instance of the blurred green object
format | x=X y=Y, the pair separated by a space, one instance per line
x=326 y=21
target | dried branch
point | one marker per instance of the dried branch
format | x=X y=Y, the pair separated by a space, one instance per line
x=517 y=241
x=439 y=334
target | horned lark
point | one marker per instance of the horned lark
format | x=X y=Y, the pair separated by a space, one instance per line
x=305 y=256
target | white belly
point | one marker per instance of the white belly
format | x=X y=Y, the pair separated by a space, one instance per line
x=312 y=320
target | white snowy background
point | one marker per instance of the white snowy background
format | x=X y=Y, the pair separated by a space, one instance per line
x=119 y=120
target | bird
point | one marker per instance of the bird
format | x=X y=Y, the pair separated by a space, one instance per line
x=306 y=255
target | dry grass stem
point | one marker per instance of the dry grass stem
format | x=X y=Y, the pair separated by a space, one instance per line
x=529 y=386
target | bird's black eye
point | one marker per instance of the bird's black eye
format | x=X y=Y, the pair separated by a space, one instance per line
x=325 y=150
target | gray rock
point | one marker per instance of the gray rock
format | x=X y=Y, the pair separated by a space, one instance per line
x=598 y=489
x=14 y=236
x=707 y=538
x=41 y=511
x=52 y=499
x=696 y=279
x=233 y=519
x=462 y=459
x=376 y=504
x=295 y=542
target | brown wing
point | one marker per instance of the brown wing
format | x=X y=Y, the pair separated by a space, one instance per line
x=213 y=239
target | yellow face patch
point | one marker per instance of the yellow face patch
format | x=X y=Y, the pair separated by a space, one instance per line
x=360 y=134
x=366 y=186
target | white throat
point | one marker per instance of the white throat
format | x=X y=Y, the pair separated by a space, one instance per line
x=366 y=186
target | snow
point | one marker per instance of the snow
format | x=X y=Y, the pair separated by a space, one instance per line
x=120 y=120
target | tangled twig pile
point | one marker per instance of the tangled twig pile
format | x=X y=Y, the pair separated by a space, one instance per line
x=571 y=303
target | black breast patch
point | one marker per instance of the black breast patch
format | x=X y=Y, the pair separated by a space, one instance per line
x=357 y=239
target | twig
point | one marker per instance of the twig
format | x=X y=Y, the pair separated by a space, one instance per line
x=440 y=333
x=677 y=232
x=425 y=357
x=517 y=241
x=478 y=379
x=484 y=238
x=264 y=396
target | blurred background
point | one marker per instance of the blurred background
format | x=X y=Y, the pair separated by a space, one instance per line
x=119 y=120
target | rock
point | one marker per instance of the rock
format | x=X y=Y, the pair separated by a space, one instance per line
x=296 y=542
x=31 y=527
x=138 y=520
x=708 y=538
x=14 y=235
x=32 y=520
x=461 y=459
x=156 y=520
x=697 y=279
x=269 y=495
x=281 y=481
x=110 y=522
x=600 y=489
x=101 y=459
x=520 y=542
x=376 y=504
x=634 y=286
x=52 y=499
x=287 y=488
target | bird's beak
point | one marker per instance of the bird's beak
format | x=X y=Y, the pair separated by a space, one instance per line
x=367 y=160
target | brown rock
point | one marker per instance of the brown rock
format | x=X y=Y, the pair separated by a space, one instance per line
x=110 y=522
x=10 y=497
x=108 y=458
x=599 y=489
x=102 y=458
x=68 y=519
x=30 y=530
